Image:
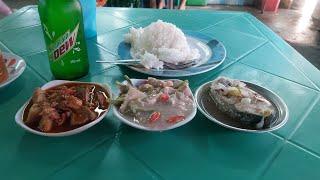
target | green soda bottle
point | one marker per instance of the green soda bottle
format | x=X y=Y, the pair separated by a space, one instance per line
x=63 y=31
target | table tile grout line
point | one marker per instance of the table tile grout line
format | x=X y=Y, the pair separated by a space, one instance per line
x=81 y=154
x=98 y=73
x=147 y=166
x=20 y=13
x=304 y=74
x=277 y=47
x=100 y=142
x=10 y=51
x=307 y=150
x=251 y=51
x=247 y=34
x=255 y=27
x=19 y=28
x=107 y=32
x=37 y=73
x=257 y=20
x=317 y=90
x=93 y=74
x=287 y=140
x=226 y=19
x=235 y=61
x=154 y=173
x=106 y=49
x=304 y=116
x=231 y=63
x=272 y=159
x=276 y=135
x=33 y=53
x=22 y=54
x=129 y=21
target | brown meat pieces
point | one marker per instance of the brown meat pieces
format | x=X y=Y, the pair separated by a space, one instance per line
x=38 y=99
x=73 y=102
x=34 y=114
x=82 y=115
x=49 y=115
x=39 y=96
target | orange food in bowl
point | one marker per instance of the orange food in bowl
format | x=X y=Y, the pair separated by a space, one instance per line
x=3 y=70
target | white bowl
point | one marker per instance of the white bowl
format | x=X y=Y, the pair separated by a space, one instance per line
x=19 y=114
x=138 y=126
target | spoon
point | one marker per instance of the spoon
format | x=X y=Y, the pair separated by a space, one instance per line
x=179 y=65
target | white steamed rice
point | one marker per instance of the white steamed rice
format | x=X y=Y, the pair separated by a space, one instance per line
x=160 y=41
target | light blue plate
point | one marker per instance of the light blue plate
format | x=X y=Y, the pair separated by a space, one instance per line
x=212 y=54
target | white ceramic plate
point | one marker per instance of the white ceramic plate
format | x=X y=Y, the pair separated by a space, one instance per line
x=15 y=66
x=138 y=126
x=19 y=114
x=212 y=55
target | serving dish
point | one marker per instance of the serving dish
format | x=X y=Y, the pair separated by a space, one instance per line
x=212 y=54
x=207 y=107
x=19 y=117
x=131 y=122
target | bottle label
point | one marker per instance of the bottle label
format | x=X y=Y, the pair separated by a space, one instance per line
x=64 y=44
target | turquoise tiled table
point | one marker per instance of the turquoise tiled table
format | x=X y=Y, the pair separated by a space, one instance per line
x=198 y=150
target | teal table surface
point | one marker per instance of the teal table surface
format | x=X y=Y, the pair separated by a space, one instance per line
x=198 y=150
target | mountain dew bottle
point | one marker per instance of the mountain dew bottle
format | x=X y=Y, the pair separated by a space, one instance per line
x=63 y=31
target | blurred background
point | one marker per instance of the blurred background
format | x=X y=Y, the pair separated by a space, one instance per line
x=296 y=21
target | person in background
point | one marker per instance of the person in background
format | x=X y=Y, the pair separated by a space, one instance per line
x=160 y=4
x=4 y=9
x=100 y=3
x=182 y=5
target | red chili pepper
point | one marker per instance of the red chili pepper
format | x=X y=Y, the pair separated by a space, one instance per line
x=154 y=117
x=164 y=97
x=175 y=119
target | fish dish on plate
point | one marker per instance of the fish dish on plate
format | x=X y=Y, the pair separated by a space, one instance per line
x=234 y=98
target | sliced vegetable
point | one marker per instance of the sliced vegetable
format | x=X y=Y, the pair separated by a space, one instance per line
x=182 y=85
x=119 y=100
x=154 y=117
x=175 y=119
x=128 y=80
x=146 y=88
x=164 y=97
x=122 y=87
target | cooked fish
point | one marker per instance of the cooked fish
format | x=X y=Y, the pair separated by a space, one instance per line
x=238 y=101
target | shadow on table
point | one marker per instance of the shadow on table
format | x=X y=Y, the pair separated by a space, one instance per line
x=48 y=154
x=12 y=89
x=197 y=132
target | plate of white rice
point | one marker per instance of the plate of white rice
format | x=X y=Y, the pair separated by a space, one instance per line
x=161 y=43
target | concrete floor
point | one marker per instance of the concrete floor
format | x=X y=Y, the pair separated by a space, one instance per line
x=303 y=33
